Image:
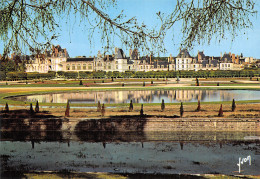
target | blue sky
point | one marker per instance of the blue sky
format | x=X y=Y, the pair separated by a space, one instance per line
x=75 y=39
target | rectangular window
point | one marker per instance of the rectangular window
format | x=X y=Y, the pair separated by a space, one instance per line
x=73 y=67
x=78 y=67
x=84 y=66
x=90 y=67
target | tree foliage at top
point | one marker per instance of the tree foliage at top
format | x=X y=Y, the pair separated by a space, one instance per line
x=33 y=25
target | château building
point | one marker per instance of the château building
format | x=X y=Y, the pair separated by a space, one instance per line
x=58 y=60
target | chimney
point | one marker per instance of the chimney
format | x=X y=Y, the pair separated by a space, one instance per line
x=130 y=52
x=115 y=50
x=150 y=59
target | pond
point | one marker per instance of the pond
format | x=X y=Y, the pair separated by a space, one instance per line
x=154 y=152
x=143 y=96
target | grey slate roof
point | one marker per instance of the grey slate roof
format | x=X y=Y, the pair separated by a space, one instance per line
x=226 y=58
x=84 y=59
x=164 y=63
x=183 y=54
x=119 y=54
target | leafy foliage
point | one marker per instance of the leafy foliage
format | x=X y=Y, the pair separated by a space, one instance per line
x=24 y=23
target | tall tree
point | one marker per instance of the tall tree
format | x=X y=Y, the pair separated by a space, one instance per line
x=99 y=107
x=37 y=109
x=142 y=110
x=181 y=110
x=103 y=110
x=24 y=22
x=162 y=105
x=198 y=108
x=131 y=106
x=6 y=108
x=31 y=109
x=220 y=112
x=67 y=111
x=233 y=105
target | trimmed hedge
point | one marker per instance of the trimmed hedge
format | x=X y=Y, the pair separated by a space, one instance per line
x=130 y=74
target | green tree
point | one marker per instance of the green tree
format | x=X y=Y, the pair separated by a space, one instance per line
x=6 y=108
x=98 y=107
x=103 y=110
x=233 y=105
x=181 y=110
x=198 y=108
x=131 y=106
x=67 y=111
x=142 y=110
x=23 y=23
x=162 y=105
x=197 y=82
x=31 y=109
x=37 y=109
x=220 y=112
x=80 y=82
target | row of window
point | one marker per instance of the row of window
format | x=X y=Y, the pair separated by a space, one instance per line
x=226 y=65
x=79 y=67
x=85 y=67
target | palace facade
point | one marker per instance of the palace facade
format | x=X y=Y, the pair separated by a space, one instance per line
x=58 y=60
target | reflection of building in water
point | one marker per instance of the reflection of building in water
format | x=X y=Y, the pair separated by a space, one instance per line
x=223 y=95
x=145 y=96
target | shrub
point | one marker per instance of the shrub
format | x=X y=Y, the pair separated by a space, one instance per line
x=142 y=110
x=103 y=110
x=131 y=106
x=37 y=109
x=220 y=112
x=99 y=107
x=162 y=105
x=80 y=82
x=197 y=82
x=181 y=110
x=71 y=75
x=2 y=75
x=67 y=112
x=6 y=108
x=233 y=105
x=31 y=109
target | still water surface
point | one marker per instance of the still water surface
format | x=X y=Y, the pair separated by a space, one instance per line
x=143 y=96
x=168 y=152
